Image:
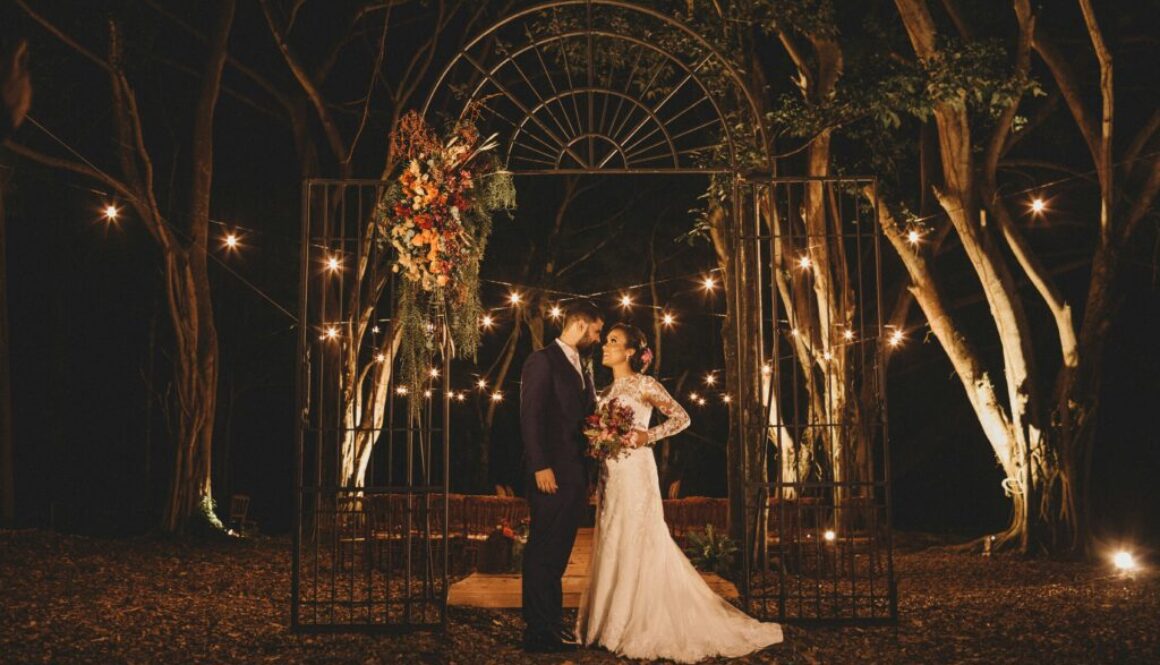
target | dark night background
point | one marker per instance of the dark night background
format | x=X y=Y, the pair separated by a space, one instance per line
x=90 y=335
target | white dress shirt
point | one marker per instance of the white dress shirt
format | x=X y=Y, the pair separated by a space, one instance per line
x=572 y=354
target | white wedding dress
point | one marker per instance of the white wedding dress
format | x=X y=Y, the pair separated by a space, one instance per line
x=644 y=599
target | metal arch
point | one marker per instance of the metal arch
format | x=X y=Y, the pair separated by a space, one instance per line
x=618 y=147
x=727 y=68
x=690 y=75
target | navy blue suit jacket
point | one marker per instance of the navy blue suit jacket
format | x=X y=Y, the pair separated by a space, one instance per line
x=554 y=401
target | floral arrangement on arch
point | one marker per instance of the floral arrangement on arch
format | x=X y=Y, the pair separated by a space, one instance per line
x=436 y=214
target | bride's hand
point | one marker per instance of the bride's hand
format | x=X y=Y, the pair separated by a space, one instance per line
x=638 y=438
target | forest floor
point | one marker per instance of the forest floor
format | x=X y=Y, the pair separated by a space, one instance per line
x=74 y=599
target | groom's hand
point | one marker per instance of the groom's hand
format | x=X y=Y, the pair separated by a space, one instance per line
x=546 y=481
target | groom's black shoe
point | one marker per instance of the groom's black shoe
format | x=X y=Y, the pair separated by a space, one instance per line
x=545 y=642
x=566 y=635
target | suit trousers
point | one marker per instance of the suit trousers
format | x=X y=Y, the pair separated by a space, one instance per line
x=554 y=521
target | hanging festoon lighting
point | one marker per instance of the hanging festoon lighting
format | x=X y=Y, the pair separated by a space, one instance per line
x=709 y=283
x=556 y=312
x=111 y=213
x=668 y=320
x=896 y=338
x=626 y=301
x=1038 y=205
x=231 y=241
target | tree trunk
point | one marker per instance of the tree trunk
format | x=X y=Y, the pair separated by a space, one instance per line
x=191 y=309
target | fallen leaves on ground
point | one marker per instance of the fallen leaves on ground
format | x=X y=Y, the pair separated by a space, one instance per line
x=73 y=599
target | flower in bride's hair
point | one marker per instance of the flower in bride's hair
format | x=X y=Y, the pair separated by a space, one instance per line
x=646 y=357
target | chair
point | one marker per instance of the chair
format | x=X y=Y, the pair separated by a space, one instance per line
x=239 y=509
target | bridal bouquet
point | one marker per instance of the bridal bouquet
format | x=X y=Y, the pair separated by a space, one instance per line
x=607 y=429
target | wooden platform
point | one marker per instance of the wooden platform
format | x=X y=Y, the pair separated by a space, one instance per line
x=503 y=591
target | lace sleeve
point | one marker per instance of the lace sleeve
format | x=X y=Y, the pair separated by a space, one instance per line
x=676 y=418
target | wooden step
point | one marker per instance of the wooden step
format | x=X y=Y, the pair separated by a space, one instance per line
x=504 y=590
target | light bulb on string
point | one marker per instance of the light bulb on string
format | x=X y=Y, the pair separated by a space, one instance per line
x=1124 y=561
x=515 y=298
x=434 y=372
x=481 y=384
x=668 y=320
x=726 y=398
x=333 y=264
x=694 y=396
x=459 y=397
x=426 y=393
x=497 y=396
x=111 y=212
x=487 y=322
x=231 y=241
x=896 y=338
x=804 y=262
x=848 y=335
x=913 y=236
x=710 y=379
x=401 y=390
x=381 y=357
x=626 y=301
x=709 y=283
x=330 y=333
x=375 y=329
x=556 y=312
x=1038 y=205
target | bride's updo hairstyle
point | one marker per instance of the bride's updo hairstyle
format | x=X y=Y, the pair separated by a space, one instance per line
x=634 y=339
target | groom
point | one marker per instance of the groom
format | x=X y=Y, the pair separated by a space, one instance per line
x=555 y=395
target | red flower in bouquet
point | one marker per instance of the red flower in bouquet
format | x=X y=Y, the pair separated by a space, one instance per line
x=607 y=430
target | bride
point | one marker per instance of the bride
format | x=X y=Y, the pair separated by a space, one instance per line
x=644 y=599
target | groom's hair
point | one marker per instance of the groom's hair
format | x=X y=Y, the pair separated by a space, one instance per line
x=582 y=310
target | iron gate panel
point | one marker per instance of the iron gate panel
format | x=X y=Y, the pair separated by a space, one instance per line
x=813 y=408
x=371 y=547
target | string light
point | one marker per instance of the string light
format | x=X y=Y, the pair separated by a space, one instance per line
x=434 y=373
x=849 y=335
x=111 y=212
x=1124 y=561
x=829 y=535
x=626 y=301
x=694 y=396
x=913 y=237
x=766 y=370
x=333 y=264
x=514 y=298
x=556 y=312
x=231 y=241
x=668 y=320
x=426 y=393
x=896 y=338
x=828 y=356
x=375 y=330
x=330 y=333
x=804 y=262
x=381 y=357
x=726 y=398
x=709 y=283
x=459 y=397
x=701 y=401
x=401 y=390
x=481 y=384
x=710 y=379
x=487 y=322
x=1038 y=205
x=497 y=396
